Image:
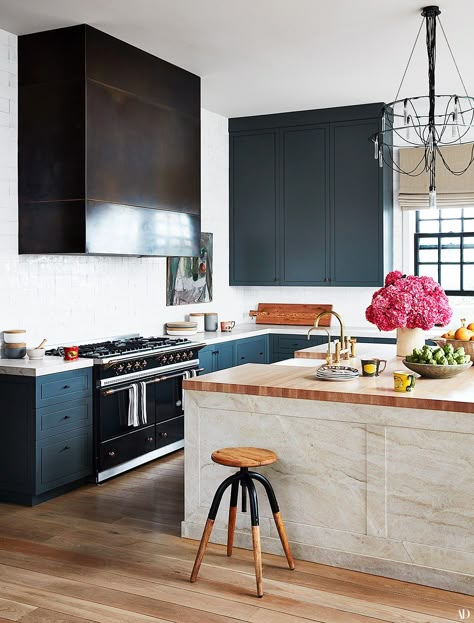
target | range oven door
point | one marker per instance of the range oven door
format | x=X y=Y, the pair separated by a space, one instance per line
x=114 y=404
x=119 y=442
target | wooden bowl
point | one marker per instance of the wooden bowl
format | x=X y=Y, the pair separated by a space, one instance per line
x=468 y=345
x=431 y=371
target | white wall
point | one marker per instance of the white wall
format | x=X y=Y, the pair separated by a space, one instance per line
x=79 y=298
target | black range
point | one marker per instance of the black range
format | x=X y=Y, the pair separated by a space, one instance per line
x=138 y=409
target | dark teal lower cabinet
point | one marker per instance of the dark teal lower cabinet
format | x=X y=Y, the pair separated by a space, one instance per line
x=234 y=353
x=216 y=357
x=284 y=346
x=252 y=350
x=46 y=442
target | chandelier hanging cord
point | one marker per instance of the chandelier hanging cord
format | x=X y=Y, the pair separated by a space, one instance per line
x=409 y=59
x=452 y=56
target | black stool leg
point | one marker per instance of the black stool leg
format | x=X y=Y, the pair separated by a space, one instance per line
x=210 y=522
x=244 y=496
x=257 y=548
x=232 y=516
x=280 y=526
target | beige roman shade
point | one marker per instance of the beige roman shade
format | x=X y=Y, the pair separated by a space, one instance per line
x=452 y=191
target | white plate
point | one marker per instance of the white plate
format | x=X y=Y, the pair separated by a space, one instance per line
x=336 y=378
x=336 y=373
x=180 y=333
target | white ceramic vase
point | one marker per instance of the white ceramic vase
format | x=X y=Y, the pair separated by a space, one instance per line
x=408 y=339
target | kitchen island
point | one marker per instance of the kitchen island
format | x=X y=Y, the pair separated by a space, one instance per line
x=367 y=479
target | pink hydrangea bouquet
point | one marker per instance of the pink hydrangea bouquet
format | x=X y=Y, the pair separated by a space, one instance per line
x=409 y=301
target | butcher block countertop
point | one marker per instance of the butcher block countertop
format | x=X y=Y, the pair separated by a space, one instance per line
x=298 y=381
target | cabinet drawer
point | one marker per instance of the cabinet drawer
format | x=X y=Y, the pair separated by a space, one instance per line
x=288 y=343
x=170 y=432
x=64 y=460
x=128 y=447
x=252 y=351
x=56 y=388
x=63 y=417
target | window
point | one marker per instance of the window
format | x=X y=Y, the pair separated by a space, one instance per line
x=444 y=248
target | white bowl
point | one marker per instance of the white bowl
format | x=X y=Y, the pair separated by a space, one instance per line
x=35 y=353
x=14 y=336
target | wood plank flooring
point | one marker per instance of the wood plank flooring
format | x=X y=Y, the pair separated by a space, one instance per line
x=112 y=554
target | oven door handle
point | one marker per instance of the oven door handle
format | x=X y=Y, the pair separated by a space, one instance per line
x=109 y=392
x=193 y=372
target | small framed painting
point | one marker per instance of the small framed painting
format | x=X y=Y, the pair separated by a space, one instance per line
x=189 y=279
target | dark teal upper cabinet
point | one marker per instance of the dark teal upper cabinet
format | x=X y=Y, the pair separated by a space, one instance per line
x=309 y=205
x=304 y=205
x=357 y=207
x=254 y=222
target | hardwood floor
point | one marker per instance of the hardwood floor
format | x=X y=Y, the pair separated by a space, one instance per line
x=113 y=554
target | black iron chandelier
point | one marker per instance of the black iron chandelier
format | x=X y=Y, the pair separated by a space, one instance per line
x=428 y=121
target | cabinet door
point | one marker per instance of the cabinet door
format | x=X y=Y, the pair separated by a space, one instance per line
x=304 y=209
x=224 y=356
x=206 y=359
x=357 y=206
x=253 y=208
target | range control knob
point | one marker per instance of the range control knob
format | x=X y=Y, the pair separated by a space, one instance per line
x=129 y=366
x=144 y=364
x=171 y=358
x=137 y=365
x=190 y=354
x=177 y=357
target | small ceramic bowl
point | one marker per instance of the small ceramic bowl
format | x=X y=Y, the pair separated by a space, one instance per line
x=35 y=353
x=15 y=353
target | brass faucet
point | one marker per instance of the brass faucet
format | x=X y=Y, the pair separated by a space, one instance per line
x=339 y=344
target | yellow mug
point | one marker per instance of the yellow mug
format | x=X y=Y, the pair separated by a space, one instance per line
x=403 y=382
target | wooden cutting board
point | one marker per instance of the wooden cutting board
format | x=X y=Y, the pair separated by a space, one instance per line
x=290 y=313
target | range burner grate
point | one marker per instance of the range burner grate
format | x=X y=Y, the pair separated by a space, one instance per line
x=124 y=346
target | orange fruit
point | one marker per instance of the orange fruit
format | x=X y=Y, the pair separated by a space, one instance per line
x=463 y=333
x=471 y=326
x=472 y=338
x=449 y=334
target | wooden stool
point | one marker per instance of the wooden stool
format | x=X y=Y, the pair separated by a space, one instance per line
x=244 y=458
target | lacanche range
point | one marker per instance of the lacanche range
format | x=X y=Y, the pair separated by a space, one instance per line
x=141 y=378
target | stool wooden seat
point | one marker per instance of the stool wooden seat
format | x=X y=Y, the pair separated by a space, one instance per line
x=244 y=457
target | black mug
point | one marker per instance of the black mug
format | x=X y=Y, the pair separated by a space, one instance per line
x=372 y=367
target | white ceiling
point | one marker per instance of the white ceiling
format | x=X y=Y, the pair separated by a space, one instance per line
x=264 y=56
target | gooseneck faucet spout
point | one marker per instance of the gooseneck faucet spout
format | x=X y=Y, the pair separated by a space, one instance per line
x=316 y=326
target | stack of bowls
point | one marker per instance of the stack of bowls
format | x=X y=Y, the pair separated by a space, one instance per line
x=15 y=343
x=181 y=329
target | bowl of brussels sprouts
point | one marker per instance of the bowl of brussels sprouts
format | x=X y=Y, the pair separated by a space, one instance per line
x=438 y=362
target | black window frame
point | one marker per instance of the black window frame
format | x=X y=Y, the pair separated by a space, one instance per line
x=436 y=237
